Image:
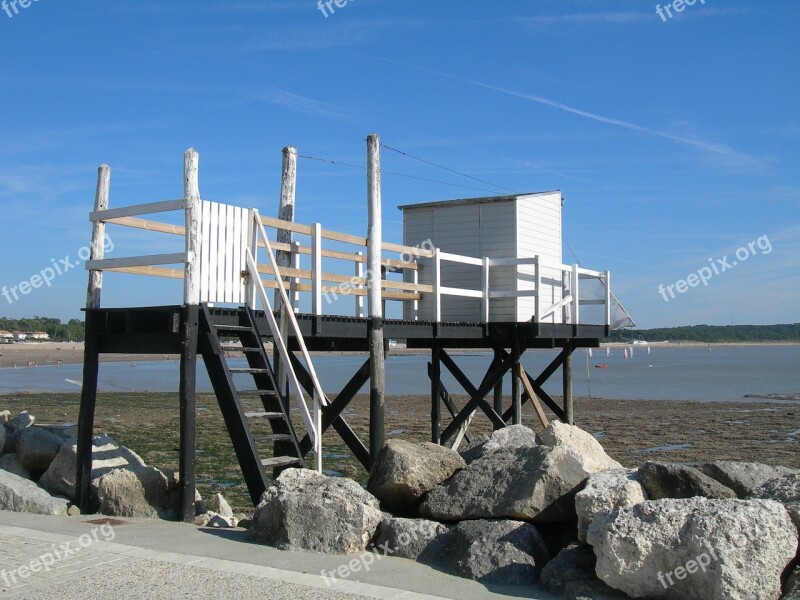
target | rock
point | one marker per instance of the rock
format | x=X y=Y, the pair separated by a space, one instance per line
x=14 y=429
x=791 y=591
x=583 y=443
x=305 y=510
x=409 y=538
x=10 y=463
x=570 y=575
x=669 y=480
x=220 y=506
x=37 y=448
x=5 y=416
x=219 y=521
x=22 y=495
x=785 y=490
x=199 y=506
x=536 y=483
x=504 y=552
x=74 y=511
x=404 y=472
x=107 y=455
x=144 y=493
x=513 y=436
x=245 y=523
x=2 y=438
x=605 y=491
x=744 y=478
x=695 y=548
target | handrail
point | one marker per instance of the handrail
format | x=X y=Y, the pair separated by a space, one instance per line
x=312 y=426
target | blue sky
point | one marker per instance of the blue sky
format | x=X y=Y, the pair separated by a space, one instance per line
x=673 y=142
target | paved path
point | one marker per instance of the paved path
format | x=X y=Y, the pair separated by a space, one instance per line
x=62 y=557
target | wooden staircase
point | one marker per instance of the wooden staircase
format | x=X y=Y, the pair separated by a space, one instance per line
x=257 y=419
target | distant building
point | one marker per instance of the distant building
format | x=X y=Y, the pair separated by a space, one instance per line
x=20 y=335
x=38 y=335
x=6 y=335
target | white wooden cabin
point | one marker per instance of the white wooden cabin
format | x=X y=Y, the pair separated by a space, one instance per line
x=498 y=227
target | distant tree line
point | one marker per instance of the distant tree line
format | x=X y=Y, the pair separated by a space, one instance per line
x=712 y=333
x=58 y=331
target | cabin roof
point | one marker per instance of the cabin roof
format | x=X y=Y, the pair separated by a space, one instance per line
x=481 y=200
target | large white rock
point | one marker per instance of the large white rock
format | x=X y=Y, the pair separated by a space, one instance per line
x=22 y=495
x=583 y=443
x=305 y=510
x=513 y=436
x=744 y=478
x=536 y=484
x=144 y=493
x=695 y=549
x=37 y=448
x=604 y=491
x=220 y=506
x=107 y=455
x=404 y=472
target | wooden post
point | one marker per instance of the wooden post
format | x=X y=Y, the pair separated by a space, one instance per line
x=286 y=210
x=359 y=272
x=374 y=242
x=188 y=366
x=283 y=258
x=516 y=390
x=191 y=193
x=498 y=389
x=91 y=355
x=566 y=371
x=436 y=386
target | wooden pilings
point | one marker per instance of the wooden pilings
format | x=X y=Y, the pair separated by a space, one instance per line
x=376 y=347
x=91 y=354
x=569 y=414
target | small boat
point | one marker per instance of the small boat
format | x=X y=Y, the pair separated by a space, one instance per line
x=601 y=366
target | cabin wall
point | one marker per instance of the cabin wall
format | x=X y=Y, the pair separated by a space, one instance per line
x=527 y=226
x=538 y=225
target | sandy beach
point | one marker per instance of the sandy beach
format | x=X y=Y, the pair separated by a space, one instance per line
x=69 y=353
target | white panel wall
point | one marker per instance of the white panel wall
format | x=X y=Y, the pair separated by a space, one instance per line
x=538 y=224
x=524 y=227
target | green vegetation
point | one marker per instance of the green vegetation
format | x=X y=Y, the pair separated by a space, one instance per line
x=712 y=334
x=73 y=330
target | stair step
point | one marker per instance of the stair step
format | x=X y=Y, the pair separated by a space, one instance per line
x=239 y=348
x=251 y=370
x=233 y=328
x=272 y=437
x=258 y=394
x=263 y=415
x=281 y=461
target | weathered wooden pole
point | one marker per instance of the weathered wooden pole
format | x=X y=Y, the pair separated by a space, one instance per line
x=566 y=371
x=436 y=390
x=191 y=317
x=283 y=258
x=91 y=354
x=498 y=389
x=376 y=351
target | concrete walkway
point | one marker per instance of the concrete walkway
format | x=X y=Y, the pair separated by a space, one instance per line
x=84 y=558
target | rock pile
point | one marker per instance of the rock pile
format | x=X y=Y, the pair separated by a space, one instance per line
x=516 y=508
x=38 y=465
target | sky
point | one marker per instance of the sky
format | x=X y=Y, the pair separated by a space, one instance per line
x=674 y=137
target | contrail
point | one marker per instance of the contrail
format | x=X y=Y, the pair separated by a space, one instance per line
x=707 y=146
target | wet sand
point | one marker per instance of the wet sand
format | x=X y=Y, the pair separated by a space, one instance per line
x=49 y=353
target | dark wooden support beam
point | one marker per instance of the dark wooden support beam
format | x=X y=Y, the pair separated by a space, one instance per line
x=91 y=363
x=188 y=414
x=331 y=414
x=444 y=396
x=498 y=391
x=537 y=384
x=569 y=417
x=516 y=395
x=477 y=396
x=435 y=373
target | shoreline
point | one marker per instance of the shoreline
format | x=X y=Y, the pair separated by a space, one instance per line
x=49 y=353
